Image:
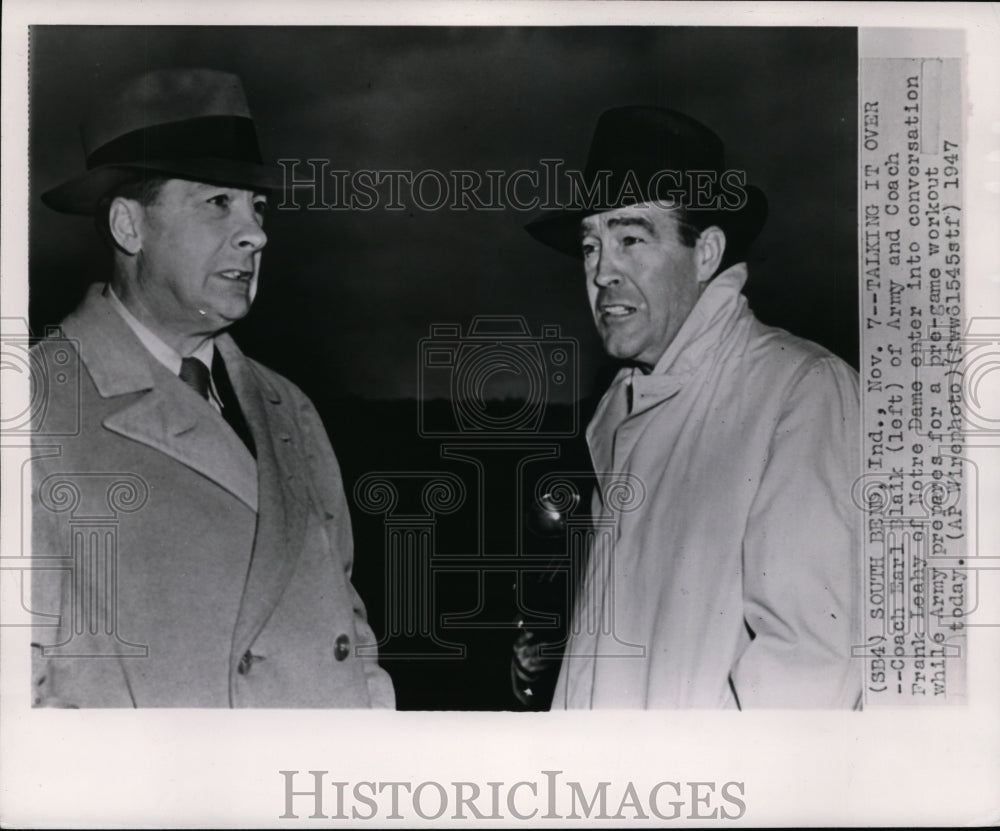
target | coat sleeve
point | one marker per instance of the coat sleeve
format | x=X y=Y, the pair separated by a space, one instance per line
x=801 y=578
x=326 y=476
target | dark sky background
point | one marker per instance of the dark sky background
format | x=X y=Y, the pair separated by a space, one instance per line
x=346 y=296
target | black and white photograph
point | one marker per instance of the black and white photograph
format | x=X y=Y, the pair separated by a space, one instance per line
x=419 y=319
x=532 y=382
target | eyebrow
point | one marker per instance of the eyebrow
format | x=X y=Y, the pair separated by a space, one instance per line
x=625 y=222
x=201 y=187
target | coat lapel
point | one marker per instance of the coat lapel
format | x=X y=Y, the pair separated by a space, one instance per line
x=183 y=426
x=610 y=412
x=157 y=409
x=284 y=505
x=614 y=429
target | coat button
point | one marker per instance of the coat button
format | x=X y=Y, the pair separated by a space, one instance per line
x=342 y=648
x=247 y=661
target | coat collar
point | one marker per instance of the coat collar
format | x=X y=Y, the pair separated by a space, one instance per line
x=616 y=425
x=156 y=408
x=114 y=363
x=113 y=355
x=699 y=336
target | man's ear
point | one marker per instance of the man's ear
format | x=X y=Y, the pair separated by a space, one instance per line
x=124 y=223
x=708 y=251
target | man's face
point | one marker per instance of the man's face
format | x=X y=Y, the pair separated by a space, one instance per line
x=642 y=281
x=199 y=255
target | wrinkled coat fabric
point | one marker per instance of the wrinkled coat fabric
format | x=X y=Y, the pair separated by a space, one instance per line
x=231 y=575
x=730 y=578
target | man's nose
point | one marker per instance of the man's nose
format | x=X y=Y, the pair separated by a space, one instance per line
x=606 y=273
x=249 y=234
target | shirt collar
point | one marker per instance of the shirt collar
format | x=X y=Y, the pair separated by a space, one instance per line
x=165 y=354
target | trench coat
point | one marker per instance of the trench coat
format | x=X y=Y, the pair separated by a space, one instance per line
x=171 y=568
x=731 y=573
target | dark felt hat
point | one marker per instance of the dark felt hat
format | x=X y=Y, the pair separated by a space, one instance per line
x=654 y=154
x=180 y=123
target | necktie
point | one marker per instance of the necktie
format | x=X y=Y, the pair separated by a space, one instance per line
x=197 y=376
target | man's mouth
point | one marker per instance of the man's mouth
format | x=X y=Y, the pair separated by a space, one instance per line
x=616 y=310
x=236 y=274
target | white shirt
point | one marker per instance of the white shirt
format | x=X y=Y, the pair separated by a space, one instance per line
x=165 y=354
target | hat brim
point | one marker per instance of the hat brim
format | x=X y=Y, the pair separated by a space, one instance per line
x=561 y=229
x=82 y=194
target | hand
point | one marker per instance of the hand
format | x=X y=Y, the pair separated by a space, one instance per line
x=527 y=666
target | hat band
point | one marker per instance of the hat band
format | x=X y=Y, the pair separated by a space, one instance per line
x=212 y=136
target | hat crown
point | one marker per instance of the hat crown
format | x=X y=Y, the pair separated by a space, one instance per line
x=651 y=154
x=646 y=140
x=175 y=123
x=161 y=97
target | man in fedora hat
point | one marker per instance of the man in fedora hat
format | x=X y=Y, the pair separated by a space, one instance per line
x=192 y=536
x=732 y=577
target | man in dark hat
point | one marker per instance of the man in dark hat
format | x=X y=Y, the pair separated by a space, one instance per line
x=732 y=578
x=192 y=540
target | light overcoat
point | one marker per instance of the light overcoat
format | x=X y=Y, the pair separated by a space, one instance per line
x=175 y=569
x=725 y=570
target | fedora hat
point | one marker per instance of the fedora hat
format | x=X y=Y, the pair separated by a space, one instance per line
x=180 y=123
x=653 y=154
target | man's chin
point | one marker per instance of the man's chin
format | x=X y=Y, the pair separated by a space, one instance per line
x=225 y=315
x=620 y=349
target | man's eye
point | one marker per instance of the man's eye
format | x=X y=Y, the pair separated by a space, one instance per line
x=260 y=207
x=626 y=241
x=221 y=200
x=588 y=248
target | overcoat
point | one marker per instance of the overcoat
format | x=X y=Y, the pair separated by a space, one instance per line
x=171 y=568
x=725 y=570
